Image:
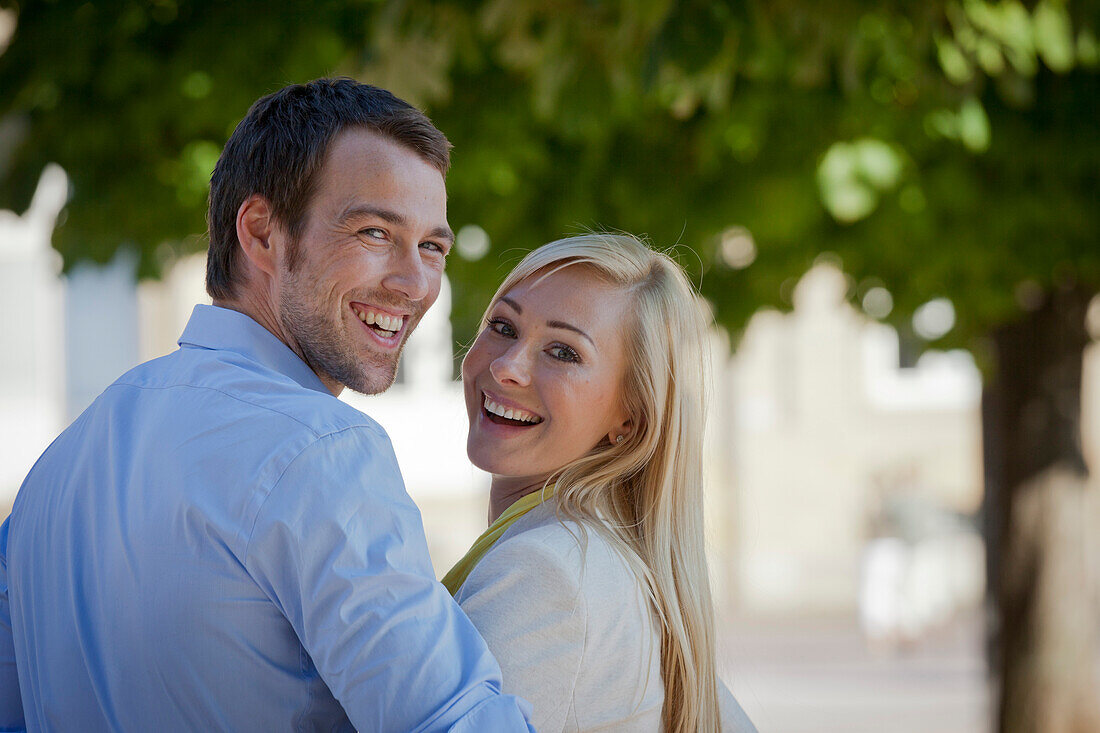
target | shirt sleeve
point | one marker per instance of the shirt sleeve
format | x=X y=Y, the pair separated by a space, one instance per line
x=525 y=598
x=339 y=547
x=11 y=705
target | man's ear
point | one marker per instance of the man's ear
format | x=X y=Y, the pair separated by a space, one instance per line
x=255 y=229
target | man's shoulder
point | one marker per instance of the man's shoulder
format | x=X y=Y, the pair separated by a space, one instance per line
x=244 y=388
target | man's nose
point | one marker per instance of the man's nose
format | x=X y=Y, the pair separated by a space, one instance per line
x=512 y=367
x=409 y=276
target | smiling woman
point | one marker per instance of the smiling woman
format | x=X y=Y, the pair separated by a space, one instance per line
x=585 y=395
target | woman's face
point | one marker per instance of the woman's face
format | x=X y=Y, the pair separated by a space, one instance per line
x=543 y=380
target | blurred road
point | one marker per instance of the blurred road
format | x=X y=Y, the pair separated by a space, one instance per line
x=819 y=676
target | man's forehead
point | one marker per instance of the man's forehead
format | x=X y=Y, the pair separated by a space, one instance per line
x=367 y=174
x=373 y=147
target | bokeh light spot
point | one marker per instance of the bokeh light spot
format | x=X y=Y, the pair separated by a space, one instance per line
x=738 y=247
x=878 y=302
x=472 y=242
x=934 y=319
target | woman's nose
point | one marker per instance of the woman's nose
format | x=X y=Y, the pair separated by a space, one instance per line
x=511 y=367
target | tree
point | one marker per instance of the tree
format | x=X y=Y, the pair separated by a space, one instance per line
x=135 y=100
x=942 y=149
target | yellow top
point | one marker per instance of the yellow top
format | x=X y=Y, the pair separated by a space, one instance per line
x=457 y=575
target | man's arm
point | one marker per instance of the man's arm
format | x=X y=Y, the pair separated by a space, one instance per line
x=11 y=705
x=339 y=546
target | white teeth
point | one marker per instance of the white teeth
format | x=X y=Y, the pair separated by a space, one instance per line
x=510 y=413
x=383 y=321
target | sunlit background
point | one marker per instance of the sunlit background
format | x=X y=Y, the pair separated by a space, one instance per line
x=892 y=211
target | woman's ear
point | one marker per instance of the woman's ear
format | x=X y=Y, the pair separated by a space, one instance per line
x=621 y=432
x=255 y=227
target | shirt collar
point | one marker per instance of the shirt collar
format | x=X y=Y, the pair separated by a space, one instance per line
x=213 y=327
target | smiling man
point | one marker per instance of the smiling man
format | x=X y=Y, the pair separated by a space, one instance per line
x=218 y=543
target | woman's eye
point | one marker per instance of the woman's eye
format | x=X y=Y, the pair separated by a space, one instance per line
x=564 y=353
x=502 y=327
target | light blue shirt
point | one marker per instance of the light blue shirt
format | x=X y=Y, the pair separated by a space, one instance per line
x=218 y=543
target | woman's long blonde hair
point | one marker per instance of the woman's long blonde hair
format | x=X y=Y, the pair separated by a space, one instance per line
x=648 y=490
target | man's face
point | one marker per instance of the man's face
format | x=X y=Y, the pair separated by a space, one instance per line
x=370 y=261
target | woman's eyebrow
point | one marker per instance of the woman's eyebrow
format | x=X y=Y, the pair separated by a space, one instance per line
x=552 y=324
x=570 y=327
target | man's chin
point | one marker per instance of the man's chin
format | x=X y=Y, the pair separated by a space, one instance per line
x=371 y=380
x=372 y=386
x=366 y=372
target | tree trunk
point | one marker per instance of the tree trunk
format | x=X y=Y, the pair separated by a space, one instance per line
x=1040 y=512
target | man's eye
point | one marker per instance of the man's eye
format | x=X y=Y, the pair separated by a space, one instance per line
x=502 y=327
x=374 y=232
x=434 y=247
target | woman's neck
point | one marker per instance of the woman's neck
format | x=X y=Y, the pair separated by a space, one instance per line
x=507 y=490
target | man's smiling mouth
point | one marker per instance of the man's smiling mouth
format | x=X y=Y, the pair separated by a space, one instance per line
x=384 y=324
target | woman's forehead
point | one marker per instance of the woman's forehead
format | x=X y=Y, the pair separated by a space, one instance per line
x=573 y=288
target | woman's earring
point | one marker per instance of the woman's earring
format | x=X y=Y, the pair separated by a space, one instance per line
x=620 y=439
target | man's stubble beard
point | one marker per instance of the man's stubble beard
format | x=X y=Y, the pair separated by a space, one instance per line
x=326 y=347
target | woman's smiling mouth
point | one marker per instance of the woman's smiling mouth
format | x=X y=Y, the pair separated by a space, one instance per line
x=506 y=414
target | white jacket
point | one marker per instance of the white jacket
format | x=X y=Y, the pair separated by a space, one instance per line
x=572 y=631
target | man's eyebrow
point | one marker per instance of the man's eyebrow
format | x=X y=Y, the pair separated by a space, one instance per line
x=552 y=324
x=394 y=218
x=443 y=233
x=387 y=215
